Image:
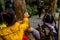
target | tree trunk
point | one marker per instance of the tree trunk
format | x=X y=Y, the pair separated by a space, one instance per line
x=53 y=7
x=20 y=8
x=59 y=27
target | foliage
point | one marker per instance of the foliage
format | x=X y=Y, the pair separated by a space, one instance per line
x=3 y=4
x=29 y=1
x=32 y=6
x=48 y=1
x=31 y=10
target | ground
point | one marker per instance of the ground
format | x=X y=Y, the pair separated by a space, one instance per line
x=35 y=20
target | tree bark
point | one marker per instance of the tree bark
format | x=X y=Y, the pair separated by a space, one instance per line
x=59 y=27
x=53 y=7
x=20 y=8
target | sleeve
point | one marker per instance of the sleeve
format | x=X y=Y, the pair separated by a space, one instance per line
x=24 y=26
x=36 y=33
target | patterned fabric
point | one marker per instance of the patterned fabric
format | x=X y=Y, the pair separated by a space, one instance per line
x=15 y=32
x=51 y=26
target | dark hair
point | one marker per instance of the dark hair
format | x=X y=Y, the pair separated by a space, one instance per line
x=1 y=18
x=48 y=18
x=8 y=17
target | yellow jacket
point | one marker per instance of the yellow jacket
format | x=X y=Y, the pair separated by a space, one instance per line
x=15 y=32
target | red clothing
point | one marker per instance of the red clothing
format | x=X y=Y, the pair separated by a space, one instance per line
x=25 y=37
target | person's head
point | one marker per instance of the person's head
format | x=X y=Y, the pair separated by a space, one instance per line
x=48 y=18
x=9 y=17
x=47 y=7
x=1 y=18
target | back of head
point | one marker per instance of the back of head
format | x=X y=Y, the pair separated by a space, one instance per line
x=48 y=18
x=47 y=7
x=8 y=17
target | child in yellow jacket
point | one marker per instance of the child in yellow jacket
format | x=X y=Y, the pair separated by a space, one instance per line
x=15 y=30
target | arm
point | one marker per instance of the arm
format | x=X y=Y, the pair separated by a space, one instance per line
x=34 y=32
x=24 y=26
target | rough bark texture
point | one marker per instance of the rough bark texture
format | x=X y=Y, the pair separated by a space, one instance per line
x=53 y=7
x=59 y=28
x=20 y=8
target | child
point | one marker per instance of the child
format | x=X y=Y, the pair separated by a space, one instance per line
x=14 y=30
x=48 y=20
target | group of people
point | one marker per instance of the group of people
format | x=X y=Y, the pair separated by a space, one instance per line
x=12 y=29
x=48 y=20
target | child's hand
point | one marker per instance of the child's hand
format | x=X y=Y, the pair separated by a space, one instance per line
x=30 y=29
x=26 y=15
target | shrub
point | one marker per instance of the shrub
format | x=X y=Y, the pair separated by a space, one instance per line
x=31 y=10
